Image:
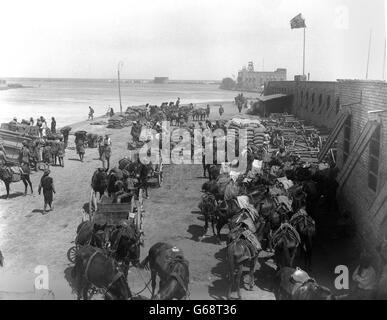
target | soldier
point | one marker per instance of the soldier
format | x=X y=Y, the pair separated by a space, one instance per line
x=221 y=110
x=61 y=152
x=53 y=125
x=107 y=150
x=47 y=184
x=25 y=156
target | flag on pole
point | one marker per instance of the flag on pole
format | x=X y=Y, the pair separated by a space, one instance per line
x=297 y=22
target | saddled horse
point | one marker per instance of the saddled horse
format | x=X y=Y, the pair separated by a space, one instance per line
x=95 y=269
x=169 y=264
x=22 y=174
x=244 y=245
x=306 y=228
x=295 y=284
x=285 y=242
x=226 y=209
x=125 y=245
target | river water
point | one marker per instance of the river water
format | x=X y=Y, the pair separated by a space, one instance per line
x=68 y=99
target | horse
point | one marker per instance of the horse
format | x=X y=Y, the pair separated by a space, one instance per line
x=99 y=181
x=89 y=233
x=94 y=269
x=225 y=210
x=289 y=287
x=239 y=253
x=207 y=207
x=305 y=226
x=125 y=245
x=8 y=177
x=169 y=264
x=285 y=242
x=115 y=175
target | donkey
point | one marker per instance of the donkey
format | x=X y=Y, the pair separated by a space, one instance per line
x=23 y=175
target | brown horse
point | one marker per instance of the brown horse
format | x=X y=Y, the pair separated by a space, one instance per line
x=94 y=269
x=125 y=245
x=99 y=181
x=305 y=226
x=9 y=177
x=293 y=286
x=240 y=253
x=169 y=264
x=285 y=242
x=207 y=207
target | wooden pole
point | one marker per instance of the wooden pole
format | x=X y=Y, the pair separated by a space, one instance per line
x=303 y=56
x=369 y=52
x=119 y=84
x=384 y=60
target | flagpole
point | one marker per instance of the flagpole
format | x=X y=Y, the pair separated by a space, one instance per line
x=384 y=59
x=303 y=57
x=369 y=52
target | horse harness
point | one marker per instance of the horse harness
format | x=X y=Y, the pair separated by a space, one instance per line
x=116 y=277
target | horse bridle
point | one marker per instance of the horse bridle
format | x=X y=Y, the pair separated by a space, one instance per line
x=117 y=276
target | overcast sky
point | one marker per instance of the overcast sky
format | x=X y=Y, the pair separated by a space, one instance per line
x=189 y=39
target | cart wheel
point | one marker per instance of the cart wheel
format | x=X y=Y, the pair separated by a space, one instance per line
x=72 y=253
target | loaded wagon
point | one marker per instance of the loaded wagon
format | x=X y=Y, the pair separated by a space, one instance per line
x=110 y=215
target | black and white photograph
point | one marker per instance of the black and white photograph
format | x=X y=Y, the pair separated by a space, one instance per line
x=211 y=151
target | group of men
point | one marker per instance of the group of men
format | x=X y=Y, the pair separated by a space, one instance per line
x=41 y=123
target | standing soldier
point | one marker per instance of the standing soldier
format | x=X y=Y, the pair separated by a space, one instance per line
x=47 y=184
x=208 y=111
x=221 y=110
x=25 y=157
x=100 y=146
x=106 y=152
x=91 y=113
x=177 y=102
x=61 y=152
x=53 y=125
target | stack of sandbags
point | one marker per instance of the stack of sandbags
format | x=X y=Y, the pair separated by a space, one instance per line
x=259 y=137
x=54 y=136
x=116 y=122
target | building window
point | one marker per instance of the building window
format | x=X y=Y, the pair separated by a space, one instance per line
x=337 y=105
x=328 y=102
x=373 y=171
x=347 y=138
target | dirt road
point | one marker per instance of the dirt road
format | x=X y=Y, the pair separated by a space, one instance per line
x=29 y=238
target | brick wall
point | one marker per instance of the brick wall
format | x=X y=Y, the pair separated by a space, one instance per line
x=320 y=103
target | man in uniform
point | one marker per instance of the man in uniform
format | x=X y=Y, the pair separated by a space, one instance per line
x=25 y=157
x=47 y=184
x=221 y=110
x=107 y=150
x=61 y=152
